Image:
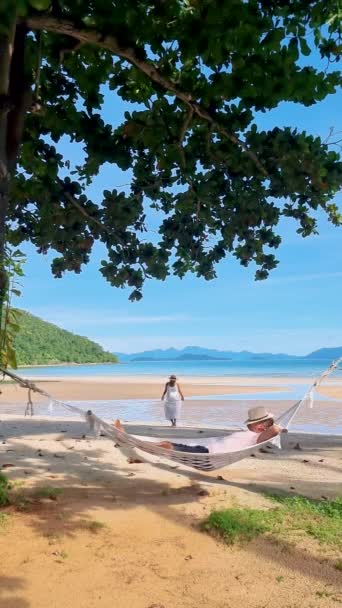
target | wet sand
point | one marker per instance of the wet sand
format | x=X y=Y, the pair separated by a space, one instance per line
x=134 y=387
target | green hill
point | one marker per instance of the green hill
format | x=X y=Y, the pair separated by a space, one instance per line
x=39 y=343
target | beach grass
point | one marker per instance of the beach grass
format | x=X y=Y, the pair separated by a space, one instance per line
x=49 y=492
x=95 y=526
x=319 y=519
x=5 y=487
x=9 y=494
x=4 y=519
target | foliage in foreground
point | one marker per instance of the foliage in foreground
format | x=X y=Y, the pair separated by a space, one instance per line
x=95 y=526
x=13 y=265
x=39 y=342
x=4 y=519
x=321 y=520
x=12 y=494
x=49 y=492
x=5 y=487
x=193 y=77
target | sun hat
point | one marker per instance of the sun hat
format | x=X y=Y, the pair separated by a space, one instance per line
x=173 y=377
x=258 y=414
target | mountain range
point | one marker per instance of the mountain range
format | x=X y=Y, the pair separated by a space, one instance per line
x=196 y=353
x=41 y=343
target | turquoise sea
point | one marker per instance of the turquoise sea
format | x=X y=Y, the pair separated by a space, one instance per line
x=272 y=368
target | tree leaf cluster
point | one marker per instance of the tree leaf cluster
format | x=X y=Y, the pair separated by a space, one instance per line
x=197 y=72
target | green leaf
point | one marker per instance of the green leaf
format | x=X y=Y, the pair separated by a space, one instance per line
x=184 y=173
x=14 y=327
x=273 y=38
x=11 y=357
x=304 y=47
x=293 y=48
x=40 y=5
x=22 y=8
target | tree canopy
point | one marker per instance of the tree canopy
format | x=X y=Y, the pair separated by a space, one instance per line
x=199 y=72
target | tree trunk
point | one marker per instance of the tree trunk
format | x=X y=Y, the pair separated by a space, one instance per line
x=4 y=200
x=6 y=52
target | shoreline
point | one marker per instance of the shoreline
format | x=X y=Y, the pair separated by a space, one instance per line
x=120 y=388
x=206 y=404
x=200 y=379
x=209 y=401
x=66 y=364
x=82 y=388
x=325 y=362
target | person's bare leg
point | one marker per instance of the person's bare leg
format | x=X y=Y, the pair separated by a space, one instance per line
x=118 y=425
x=167 y=445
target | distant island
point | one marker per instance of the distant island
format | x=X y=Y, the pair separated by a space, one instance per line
x=41 y=343
x=197 y=353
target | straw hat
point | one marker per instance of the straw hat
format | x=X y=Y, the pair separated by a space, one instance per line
x=258 y=414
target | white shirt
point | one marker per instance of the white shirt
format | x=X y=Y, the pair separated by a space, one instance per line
x=234 y=442
x=228 y=443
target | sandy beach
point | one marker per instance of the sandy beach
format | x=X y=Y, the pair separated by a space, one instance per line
x=134 y=387
x=151 y=387
x=128 y=534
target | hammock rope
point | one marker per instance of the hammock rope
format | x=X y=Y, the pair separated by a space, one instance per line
x=200 y=461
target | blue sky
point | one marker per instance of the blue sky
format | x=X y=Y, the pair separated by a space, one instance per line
x=297 y=310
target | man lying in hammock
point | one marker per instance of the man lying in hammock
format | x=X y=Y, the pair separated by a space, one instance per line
x=260 y=428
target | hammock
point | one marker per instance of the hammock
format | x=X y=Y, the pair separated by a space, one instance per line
x=203 y=462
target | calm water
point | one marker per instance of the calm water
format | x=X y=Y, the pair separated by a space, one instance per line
x=188 y=368
x=209 y=410
x=225 y=411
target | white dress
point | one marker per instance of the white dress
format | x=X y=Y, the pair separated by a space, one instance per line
x=172 y=403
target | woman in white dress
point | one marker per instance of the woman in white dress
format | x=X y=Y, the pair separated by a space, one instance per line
x=172 y=397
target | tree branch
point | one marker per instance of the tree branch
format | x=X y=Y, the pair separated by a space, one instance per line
x=85 y=214
x=6 y=52
x=20 y=97
x=36 y=95
x=102 y=227
x=90 y=36
x=184 y=129
x=186 y=124
x=332 y=133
